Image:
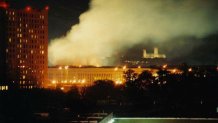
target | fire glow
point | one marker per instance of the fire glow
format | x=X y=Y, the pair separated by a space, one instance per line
x=111 y=26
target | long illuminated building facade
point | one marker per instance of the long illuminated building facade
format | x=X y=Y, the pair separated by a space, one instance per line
x=85 y=76
x=68 y=76
x=23 y=47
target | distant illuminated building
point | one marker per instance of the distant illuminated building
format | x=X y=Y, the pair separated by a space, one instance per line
x=85 y=76
x=67 y=76
x=23 y=47
x=153 y=55
x=147 y=59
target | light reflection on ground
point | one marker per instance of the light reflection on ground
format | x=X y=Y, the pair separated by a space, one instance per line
x=163 y=120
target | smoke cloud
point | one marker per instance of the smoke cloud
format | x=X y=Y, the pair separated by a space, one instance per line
x=110 y=26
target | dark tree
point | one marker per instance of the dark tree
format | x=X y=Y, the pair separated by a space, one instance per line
x=130 y=75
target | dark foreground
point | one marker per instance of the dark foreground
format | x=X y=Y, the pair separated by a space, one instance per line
x=190 y=94
x=164 y=120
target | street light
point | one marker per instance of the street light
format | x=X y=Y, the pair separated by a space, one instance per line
x=190 y=70
x=124 y=67
x=165 y=66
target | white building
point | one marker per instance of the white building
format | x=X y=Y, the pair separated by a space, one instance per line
x=153 y=55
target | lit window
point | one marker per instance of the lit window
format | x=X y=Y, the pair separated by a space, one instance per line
x=42 y=52
x=6 y=50
x=24 y=76
x=26 y=25
x=31 y=51
x=9 y=40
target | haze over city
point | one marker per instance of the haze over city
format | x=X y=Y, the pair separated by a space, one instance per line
x=98 y=30
x=108 y=61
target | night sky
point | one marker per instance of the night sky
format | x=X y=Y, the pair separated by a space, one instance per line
x=62 y=13
x=192 y=49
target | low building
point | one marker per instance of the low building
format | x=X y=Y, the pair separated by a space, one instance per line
x=85 y=76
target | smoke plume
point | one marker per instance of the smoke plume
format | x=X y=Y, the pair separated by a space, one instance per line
x=110 y=26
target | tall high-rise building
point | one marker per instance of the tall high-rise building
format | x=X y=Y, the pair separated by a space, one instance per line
x=23 y=47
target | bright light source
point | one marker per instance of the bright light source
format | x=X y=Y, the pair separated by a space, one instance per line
x=116 y=68
x=4 y=5
x=28 y=8
x=118 y=82
x=124 y=67
x=47 y=8
x=155 y=74
x=190 y=70
x=60 y=68
x=53 y=82
x=62 y=88
x=174 y=71
x=83 y=81
x=165 y=66
x=111 y=121
x=139 y=66
x=66 y=67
